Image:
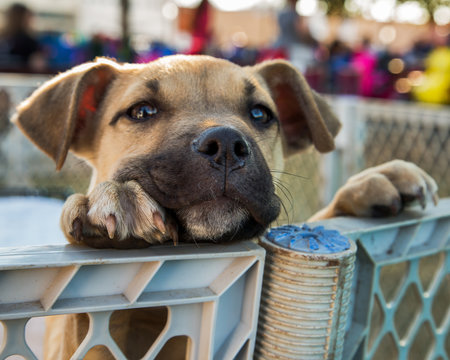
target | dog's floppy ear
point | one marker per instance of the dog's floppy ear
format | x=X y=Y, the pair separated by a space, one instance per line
x=58 y=111
x=305 y=117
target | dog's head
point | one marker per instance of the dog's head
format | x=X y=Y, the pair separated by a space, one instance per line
x=197 y=133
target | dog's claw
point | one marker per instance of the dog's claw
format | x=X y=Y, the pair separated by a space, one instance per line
x=422 y=198
x=159 y=222
x=173 y=233
x=77 y=230
x=435 y=198
x=175 y=239
x=110 y=224
x=169 y=230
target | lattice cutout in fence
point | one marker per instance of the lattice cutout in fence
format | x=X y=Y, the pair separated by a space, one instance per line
x=402 y=308
x=412 y=133
x=211 y=293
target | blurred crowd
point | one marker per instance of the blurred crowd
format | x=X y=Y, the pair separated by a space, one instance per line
x=422 y=73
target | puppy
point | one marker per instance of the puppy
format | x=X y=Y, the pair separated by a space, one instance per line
x=181 y=149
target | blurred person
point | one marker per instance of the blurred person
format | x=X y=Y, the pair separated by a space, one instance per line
x=364 y=61
x=201 y=29
x=343 y=79
x=294 y=37
x=416 y=56
x=434 y=85
x=19 y=48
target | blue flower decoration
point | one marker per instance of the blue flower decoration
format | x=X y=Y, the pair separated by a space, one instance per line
x=316 y=240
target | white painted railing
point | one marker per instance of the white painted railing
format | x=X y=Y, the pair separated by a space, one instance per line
x=399 y=302
x=211 y=293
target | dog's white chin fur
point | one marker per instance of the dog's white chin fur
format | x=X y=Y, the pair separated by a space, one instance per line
x=211 y=219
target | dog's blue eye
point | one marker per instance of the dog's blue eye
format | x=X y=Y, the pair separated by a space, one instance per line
x=261 y=114
x=142 y=111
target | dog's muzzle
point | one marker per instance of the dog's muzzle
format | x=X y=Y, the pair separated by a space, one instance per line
x=216 y=184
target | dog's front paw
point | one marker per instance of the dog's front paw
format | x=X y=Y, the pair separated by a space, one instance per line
x=119 y=215
x=383 y=190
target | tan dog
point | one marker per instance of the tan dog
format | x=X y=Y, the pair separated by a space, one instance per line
x=182 y=149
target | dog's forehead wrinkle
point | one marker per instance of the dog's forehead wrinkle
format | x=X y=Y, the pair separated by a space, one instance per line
x=250 y=88
x=153 y=85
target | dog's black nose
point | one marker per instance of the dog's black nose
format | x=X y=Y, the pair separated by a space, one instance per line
x=223 y=147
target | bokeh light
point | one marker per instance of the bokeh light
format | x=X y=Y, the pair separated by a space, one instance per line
x=307 y=7
x=170 y=11
x=403 y=86
x=387 y=34
x=351 y=6
x=416 y=78
x=411 y=12
x=382 y=10
x=443 y=31
x=239 y=39
x=442 y=15
x=396 y=66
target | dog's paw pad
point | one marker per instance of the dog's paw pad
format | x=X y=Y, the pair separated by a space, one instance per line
x=394 y=208
x=417 y=196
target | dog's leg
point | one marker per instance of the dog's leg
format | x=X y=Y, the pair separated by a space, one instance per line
x=382 y=191
x=118 y=215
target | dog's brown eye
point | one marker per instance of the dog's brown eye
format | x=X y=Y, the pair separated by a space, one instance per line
x=261 y=114
x=142 y=111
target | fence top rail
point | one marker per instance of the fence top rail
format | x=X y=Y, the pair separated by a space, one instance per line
x=399 y=111
x=65 y=255
x=408 y=112
x=352 y=227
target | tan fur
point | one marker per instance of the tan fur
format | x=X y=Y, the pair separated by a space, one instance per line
x=382 y=186
x=85 y=110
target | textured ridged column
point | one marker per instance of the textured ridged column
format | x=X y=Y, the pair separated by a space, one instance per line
x=305 y=295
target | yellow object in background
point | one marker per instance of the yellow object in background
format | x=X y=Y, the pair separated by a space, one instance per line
x=435 y=85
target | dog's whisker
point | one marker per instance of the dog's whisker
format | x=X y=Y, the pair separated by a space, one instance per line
x=264 y=139
x=290 y=174
x=290 y=201
x=285 y=211
x=286 y=192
